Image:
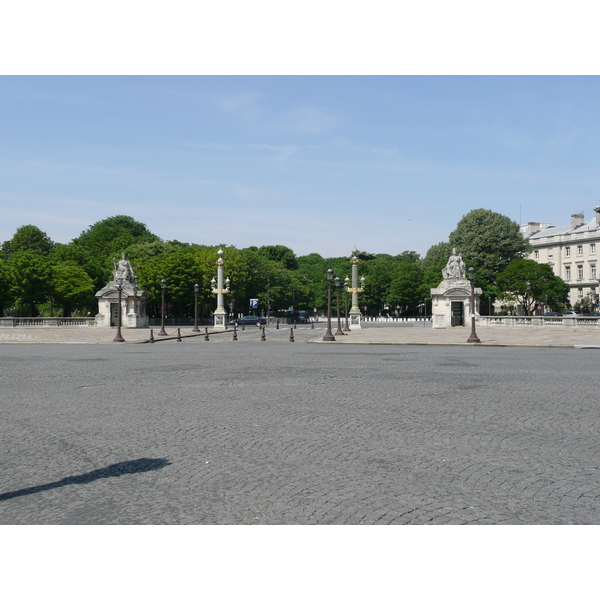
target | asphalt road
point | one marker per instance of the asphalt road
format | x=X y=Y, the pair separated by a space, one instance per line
x=273 y=433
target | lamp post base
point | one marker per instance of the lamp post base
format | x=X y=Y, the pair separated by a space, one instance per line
x=355 y=318
x=219 y=320
x=473 y=339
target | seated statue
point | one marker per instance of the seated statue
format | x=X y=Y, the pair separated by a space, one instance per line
x=124 y=268
x=455 y=269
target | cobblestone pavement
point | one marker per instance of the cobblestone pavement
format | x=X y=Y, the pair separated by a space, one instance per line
x=372 y=333
x=272 y=433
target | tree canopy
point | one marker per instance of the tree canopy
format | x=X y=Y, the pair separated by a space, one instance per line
x=28 y=237
x=545 y=287
x=488 y=241
x=36 y=272
x=113 y=235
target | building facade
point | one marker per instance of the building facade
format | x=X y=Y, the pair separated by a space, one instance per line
x=572 y=252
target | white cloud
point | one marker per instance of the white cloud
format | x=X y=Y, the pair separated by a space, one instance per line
x=307 y=120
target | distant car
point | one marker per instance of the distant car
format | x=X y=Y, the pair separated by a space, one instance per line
x=250 y=320
x=302 y=316
x=570 y=313
x=552 y=314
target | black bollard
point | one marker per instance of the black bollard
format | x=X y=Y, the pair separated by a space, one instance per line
x=152 y=336
x=235 y=333
x=294 y=324
x=263 y=337
x=206 y=338
x=312 y=324
x=291 y=334
x=277 y=326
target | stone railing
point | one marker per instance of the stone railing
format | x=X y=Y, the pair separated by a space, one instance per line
x=47 y=321
x=514 y=321
x=393 y=319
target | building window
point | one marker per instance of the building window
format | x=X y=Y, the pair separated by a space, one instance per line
x=550 y=251
x=592 y=248
x=568 y=251
x=567 y=273
x=580 y=290
x=536 y=253
x=579 y=271
x=592 y=271
x=579 y=250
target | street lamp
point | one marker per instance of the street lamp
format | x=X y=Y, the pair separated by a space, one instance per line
x=163 y=285
x=473 y=337
x=196 y=290
x=220 y=291
x=119 y=279
x=329 y=337
x=337 y=291
x=346 y=287
x=355 y=315
x=528 y=286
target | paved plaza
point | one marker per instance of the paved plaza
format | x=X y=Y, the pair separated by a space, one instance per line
x=383 y=431
x=371 y=333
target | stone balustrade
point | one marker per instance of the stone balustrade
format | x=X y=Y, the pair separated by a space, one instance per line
x=47 y=322
x=535 y=321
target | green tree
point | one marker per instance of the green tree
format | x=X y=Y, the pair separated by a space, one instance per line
x=181 y=270
x=280 y=254
x=31 y=279
x=378 y=274
x=106 y=240
x=5 y=286
x=488 y=241
x=405 y=286
x=545 y=286
x=28 y=237
x=96 y=266
x=71 y=287
x=408 y=256
x=437 y=256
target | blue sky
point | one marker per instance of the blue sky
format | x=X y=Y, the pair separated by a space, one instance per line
x=317 y=163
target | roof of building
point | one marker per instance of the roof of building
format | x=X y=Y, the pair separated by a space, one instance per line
x=564 y=229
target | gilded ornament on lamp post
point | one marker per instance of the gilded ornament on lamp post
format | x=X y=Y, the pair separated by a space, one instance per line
x=220 y=291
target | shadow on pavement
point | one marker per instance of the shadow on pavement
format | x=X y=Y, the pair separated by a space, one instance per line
x=141 y=465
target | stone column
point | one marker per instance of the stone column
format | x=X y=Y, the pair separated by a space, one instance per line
x=220 y=314
x=355 y=316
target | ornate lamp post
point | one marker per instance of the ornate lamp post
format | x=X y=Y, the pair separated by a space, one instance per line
x=355 y=290
x=220 y=291
x=119 y=279
x=163 y=285
x=527 y=301
x=337 y=292
x=346 y=287
x=196 y=290
x=329 y=337
x=473 y=337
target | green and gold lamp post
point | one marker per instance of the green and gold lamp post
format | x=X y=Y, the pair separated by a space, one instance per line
x=355 y=316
